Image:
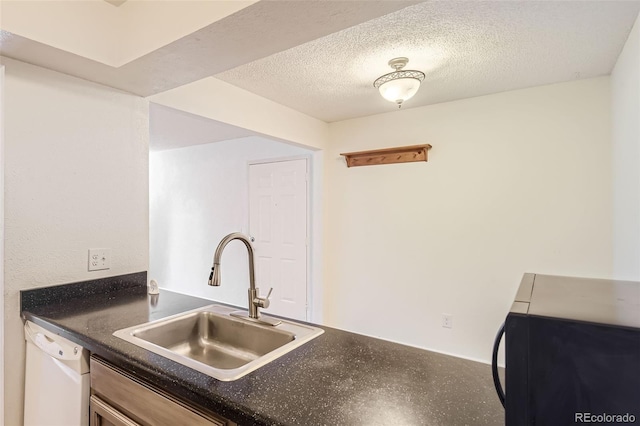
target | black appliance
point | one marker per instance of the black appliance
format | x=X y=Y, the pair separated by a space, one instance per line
x=572 y=352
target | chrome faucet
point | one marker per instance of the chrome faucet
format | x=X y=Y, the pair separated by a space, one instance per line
x=255 y=302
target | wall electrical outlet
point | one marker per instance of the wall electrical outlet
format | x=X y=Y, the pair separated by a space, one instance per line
x=447 y=321
x=99 y=259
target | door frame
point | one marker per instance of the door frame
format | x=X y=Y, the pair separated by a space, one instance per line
x=309 y=159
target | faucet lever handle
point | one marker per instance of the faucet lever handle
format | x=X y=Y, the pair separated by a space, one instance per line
x=263 y=302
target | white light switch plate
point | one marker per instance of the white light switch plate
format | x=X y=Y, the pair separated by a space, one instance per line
x=99 y=259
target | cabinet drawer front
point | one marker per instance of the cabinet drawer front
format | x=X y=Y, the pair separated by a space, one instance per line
x=102 y=414
x=141 y=402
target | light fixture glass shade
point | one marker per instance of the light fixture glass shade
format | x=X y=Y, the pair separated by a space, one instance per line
x=399 y=90
x=400 y=85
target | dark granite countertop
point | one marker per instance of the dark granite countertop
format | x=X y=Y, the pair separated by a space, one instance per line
x=339 y=378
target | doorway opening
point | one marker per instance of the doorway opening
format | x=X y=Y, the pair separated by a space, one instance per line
x=200 y=172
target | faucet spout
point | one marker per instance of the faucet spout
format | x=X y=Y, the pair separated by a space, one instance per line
x=214 y=276
x=255 y=302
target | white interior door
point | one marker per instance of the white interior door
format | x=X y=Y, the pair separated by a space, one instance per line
x=278 y=222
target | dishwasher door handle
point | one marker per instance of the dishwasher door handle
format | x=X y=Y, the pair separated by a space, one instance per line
x=48 y=343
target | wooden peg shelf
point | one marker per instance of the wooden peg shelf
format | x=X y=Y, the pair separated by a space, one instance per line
x=403 y=154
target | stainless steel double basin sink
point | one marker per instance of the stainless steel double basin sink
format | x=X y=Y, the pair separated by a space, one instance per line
x=211 y=341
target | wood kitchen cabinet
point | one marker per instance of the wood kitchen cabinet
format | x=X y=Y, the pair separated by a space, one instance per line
x=120 y=399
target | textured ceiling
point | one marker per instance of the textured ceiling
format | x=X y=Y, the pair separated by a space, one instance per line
x=262 y=29
x=466 y=49
x=170 y=129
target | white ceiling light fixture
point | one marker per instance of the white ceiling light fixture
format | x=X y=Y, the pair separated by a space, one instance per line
x=400 y=85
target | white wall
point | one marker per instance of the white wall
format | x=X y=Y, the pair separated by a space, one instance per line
x=625 y=109
x=1 y=242
x=59 y=24
x=76 y=177
x=516 y=182
x=197 y=196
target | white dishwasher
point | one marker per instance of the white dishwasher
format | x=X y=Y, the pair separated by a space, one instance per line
x=57 y=382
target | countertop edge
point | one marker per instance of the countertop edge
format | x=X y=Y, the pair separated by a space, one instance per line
x=239 y=414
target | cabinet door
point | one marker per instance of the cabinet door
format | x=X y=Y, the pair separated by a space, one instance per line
x=102 y=414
